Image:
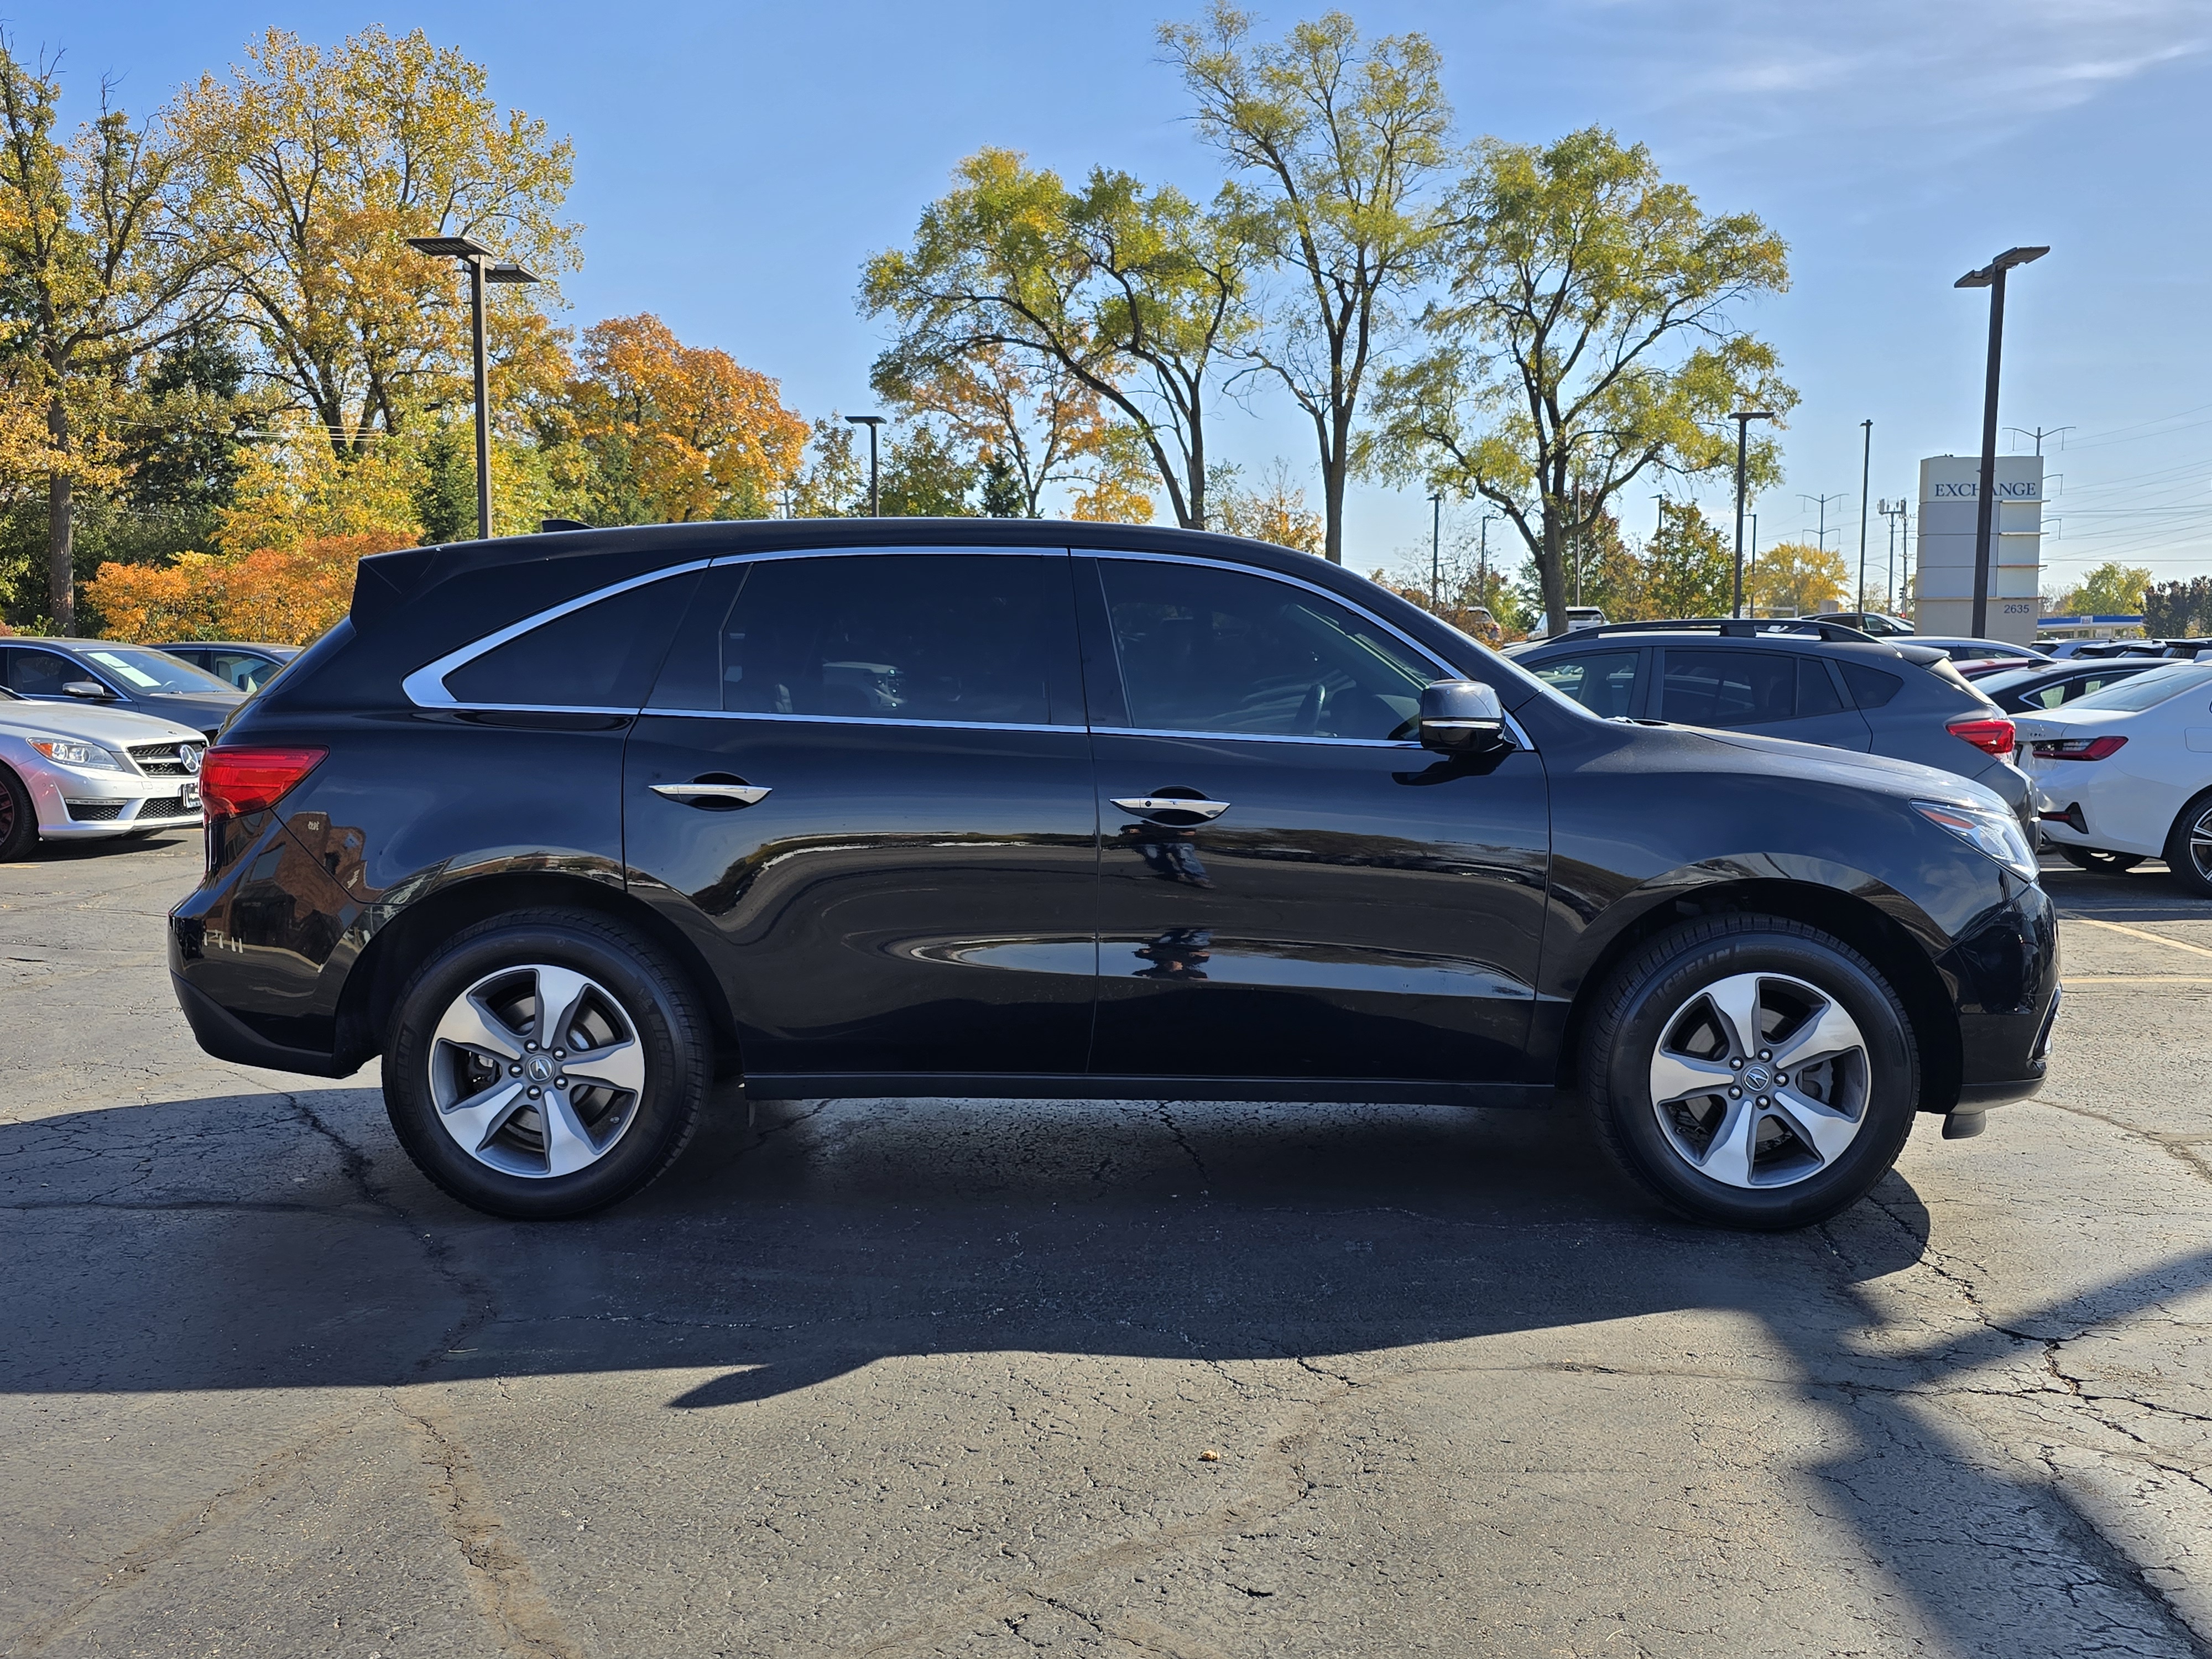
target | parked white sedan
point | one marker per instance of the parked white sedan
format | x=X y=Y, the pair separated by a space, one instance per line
x=2126 y=773
x=69 y=773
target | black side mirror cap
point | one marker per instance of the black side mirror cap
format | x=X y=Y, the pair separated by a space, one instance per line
x=1462 y=717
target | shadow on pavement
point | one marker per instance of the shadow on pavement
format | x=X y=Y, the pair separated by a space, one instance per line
x=245 y=1243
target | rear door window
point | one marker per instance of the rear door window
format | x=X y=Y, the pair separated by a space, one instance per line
x=1603 y=682
x=1755 y=687
x=968 y=639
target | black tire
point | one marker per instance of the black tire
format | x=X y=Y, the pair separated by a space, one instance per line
x=644 y=1128
x=19 y=820
x=2096 y=859
x=2188 y=857
x=1649 y=998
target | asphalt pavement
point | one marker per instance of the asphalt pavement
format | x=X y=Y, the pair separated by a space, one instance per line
x=1142 y=1378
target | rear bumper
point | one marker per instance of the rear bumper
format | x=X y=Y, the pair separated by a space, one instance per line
x=223 y=1034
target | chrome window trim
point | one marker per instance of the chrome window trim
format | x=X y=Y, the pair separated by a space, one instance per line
x=847 y=720
x=426 y=687
x=1254 y=737
x=1444 y=670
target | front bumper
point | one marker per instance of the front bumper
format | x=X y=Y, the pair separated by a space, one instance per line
x=87 y=805
x=2003 y=976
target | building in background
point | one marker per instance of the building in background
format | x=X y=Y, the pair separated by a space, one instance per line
x=1943 y=585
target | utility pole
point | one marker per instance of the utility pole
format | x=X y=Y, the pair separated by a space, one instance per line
x=1820 y=538
x=1891 y=511
x=1482 y=562
x=2039 y=434
x=1866 y=476
x=1992 y=277
x=1435 y=552
x=1751 y=576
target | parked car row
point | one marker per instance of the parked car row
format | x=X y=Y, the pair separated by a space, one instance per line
x=101 y=740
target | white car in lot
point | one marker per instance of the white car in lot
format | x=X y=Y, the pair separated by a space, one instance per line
x=68 y=773
x=2126 y=773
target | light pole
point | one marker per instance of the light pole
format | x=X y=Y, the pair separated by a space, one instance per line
x=1866 y=476
x=875 y=478
x=477 y=256
x=1992 y=277
x=1743 y=418
x=1482 y=562
x=1436 y=552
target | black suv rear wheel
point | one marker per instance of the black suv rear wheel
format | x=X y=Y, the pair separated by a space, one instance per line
x=1752 y=1071
x=545 y=1064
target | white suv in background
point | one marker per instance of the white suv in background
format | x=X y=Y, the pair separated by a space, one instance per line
x=69 y=773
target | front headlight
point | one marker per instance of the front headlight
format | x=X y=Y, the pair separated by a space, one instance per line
x=89 y=756
x=1997 y=834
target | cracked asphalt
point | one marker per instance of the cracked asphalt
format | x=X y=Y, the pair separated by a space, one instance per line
x=924 y=1378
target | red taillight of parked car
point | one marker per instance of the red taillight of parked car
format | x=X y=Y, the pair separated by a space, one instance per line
x=234 y=782
x=1991 y=737
x=2077 y=748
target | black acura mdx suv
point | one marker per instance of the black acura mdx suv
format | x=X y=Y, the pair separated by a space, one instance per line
x=567 y=827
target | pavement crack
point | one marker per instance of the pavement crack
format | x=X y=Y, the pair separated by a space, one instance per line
x=1167 y=1117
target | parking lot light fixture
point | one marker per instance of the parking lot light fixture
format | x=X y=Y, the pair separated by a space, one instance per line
x=875 y=484
x=1743 y=418
x=478 y=258
x=1992 y=277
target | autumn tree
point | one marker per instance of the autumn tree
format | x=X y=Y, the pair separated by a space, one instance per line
x=1033 y=419
x=678 y=432
x=2112 y=589
x=320 y=165
x=1795 y=579
x=1272 y=510
x=1689 y=566
x=1341 y=137
x=102 y=260
x=1136 y=295
x=1585 y=339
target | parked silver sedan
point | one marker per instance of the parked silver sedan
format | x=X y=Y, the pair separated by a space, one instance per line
x=71 y=773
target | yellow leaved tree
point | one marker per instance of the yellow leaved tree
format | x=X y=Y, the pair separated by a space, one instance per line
x=281 y=596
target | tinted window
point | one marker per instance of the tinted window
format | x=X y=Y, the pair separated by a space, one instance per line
x=141 y=670
x=1728 y=688
x=1816 y=692
x=1210 y=650
x=41 y=673
x=602 y=656
x=1870 y=688
x=1604 y=682
x=961 y=637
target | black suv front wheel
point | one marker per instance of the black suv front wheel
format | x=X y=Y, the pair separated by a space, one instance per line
x=545 y=1064
x=1752 y=1071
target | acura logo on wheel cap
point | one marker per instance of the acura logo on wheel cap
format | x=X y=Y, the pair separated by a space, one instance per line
x=1756 y=1077
x=539 y=1068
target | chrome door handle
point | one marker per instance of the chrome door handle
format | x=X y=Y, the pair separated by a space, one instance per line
x=1144 y=803
x=744 y=794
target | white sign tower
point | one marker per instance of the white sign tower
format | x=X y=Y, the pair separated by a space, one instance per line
x=1943 y=591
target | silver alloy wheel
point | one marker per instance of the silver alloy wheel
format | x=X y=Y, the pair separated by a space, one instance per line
x=536 y=1070
x=1760 y=1081
x=2200 y=843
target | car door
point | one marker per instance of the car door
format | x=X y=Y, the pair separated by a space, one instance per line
x=1781 y=694
x=34 y=671
x=1290 y=885
x=863 y=785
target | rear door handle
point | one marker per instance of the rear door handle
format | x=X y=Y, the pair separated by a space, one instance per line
x=1145 y=806
x=741 y=794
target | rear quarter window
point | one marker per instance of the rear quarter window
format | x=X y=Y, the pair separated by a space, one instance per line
x=601 y=655
x=1870 y=688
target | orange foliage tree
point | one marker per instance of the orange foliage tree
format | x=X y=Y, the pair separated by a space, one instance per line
x=682 y=432
x=278 y=596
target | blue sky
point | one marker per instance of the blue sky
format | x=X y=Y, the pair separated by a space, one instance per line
x=736 y=163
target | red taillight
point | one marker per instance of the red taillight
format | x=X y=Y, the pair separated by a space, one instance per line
x=1991 y=737
x=2077 y=748
x=237 y=781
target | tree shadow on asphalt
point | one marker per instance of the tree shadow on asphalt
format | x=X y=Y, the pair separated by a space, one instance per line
x=279 y=1241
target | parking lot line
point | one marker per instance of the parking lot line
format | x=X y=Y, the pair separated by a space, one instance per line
x=2137 y=933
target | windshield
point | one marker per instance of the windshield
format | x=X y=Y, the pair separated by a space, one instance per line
x=155 y=670
x=2146 y=690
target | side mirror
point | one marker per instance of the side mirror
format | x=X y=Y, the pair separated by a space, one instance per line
x=91 y=690
x=1462 y=717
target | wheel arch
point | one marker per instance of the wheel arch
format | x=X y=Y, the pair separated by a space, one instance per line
x=1867 y=926
x=400 y=946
